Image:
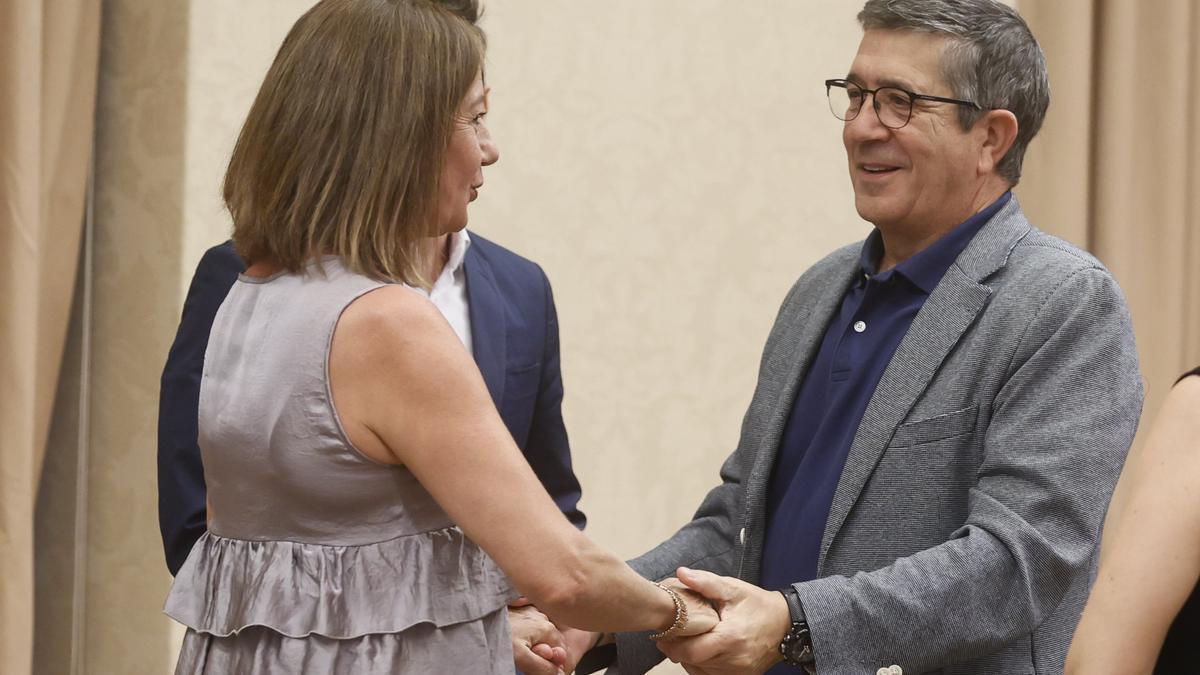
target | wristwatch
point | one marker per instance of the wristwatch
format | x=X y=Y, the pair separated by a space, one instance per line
x=796 y=647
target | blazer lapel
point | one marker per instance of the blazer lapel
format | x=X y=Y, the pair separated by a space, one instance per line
x=945 y=316
x=488 y=330
x=799 y=331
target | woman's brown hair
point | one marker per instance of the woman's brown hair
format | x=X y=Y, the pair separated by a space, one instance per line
x=343 y=148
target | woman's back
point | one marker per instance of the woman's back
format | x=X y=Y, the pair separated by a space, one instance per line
x=277 y=462
x=310 y=538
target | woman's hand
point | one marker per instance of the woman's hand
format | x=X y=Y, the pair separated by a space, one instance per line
x=753 y=624
x=701 y=615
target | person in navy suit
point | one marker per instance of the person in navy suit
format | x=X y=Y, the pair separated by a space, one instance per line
x=513 y=329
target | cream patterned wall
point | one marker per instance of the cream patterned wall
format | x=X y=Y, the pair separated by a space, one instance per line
x=140 y=164
x=674 y=167
x=671 y=164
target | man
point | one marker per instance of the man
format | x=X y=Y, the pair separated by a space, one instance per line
x=942 y=411
x=499 y=303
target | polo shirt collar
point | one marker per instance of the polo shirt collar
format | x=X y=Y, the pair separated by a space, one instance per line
x=925 y=269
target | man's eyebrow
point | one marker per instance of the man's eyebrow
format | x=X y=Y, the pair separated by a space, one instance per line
x=893 y=82
x=884 y=82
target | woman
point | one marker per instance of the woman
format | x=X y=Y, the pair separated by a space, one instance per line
x=1150 y=558
x=361 y=482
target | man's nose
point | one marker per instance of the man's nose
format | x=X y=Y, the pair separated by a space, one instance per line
x=866 y=124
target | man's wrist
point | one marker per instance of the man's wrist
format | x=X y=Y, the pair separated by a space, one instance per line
x=600 y=656
x=796 y=646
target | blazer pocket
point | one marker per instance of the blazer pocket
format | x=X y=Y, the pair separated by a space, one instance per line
x=521 y=382
x=936 y=428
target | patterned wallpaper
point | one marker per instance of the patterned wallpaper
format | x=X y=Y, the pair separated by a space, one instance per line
x=140 y=163
x=674 y=167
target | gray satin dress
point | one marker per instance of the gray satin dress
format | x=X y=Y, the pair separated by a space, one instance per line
x=318 y=559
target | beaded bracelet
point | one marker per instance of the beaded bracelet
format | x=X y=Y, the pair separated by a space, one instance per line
x=681 y=617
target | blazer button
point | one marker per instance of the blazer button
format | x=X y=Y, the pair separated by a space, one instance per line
x=742 y=537
x=890 y=670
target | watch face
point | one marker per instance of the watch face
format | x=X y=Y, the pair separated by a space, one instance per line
x=797 y=646
x=797 y=652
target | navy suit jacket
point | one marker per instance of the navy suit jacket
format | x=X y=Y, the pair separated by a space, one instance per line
x=514 y=329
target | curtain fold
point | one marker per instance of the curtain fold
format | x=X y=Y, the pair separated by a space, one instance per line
x=49 y=52
x=1114 y=169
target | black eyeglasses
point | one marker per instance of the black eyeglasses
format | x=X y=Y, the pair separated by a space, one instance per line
x=893 y=105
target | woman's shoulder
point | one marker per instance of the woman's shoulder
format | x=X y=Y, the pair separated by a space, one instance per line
x=389 y=313
x=1178 y=418
x=395 y=331
x=1184 y=397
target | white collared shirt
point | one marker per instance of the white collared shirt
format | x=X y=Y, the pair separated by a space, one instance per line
x=449 y=293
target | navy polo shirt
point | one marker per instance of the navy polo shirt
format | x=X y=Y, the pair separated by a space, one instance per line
x=876 y=312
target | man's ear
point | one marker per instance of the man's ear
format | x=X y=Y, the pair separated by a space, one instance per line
x=1000 y=132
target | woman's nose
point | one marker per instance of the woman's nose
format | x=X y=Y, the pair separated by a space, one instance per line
x=491 y=151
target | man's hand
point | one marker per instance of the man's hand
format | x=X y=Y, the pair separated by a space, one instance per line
x=579 y=642
x=753 y=623
x=538 y=647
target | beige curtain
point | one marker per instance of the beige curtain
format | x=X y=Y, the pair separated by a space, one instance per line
x=48 y=66
x=1116 y=168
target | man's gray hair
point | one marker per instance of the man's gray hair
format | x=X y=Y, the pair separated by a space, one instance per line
x=993 y=60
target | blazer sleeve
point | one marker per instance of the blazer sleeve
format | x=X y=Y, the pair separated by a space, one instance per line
x=181 y=491
x=707 y=542
x=711 y=540
x=1060 y=427
x=546 y=447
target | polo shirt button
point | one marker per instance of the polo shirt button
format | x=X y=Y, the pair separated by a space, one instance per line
x=860 y=326
x=742 y=536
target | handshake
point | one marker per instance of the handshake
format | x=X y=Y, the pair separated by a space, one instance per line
x=733 y=627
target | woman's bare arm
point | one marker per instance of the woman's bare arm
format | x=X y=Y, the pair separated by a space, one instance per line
x=1150 y=556
x=408 y=392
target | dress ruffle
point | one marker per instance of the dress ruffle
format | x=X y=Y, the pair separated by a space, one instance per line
x=296 y=589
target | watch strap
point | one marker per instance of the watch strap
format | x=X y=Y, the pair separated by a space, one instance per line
x=796 y=648
x=795 y=609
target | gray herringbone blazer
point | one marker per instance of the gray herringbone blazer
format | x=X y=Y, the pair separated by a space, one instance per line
x=964 y=531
